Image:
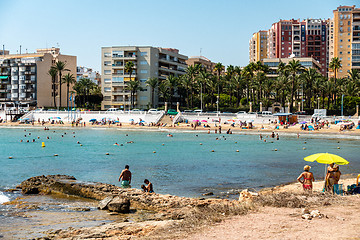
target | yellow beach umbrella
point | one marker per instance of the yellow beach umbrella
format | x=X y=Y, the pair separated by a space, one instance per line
x=326 y=158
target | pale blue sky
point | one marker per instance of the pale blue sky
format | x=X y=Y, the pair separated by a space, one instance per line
x=221 y=28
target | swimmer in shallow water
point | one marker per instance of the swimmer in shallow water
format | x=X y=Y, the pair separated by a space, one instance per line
x=169 y=135
x=116 y=144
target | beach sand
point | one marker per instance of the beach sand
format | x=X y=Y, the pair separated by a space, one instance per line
x=341 y=221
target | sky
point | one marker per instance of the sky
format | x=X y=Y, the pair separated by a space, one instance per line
x=220 y=30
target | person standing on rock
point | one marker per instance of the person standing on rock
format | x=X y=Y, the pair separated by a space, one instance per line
x=125 y=177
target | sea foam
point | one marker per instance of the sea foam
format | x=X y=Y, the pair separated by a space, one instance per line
x=3 y=198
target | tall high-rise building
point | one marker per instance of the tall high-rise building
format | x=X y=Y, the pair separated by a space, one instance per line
x=295 y=38
x=258 y=46
x=149 y=62
x=24 y=78
x=345 y=38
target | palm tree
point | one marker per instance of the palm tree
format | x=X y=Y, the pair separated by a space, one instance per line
x=82 y=89
x=53 y=73
x=152 y=83
x=68 y=79
x=295 y=69
x=172 y=82
x=163 y=91
x=133 y=86
x=354 y=76
x=218 y=69
x=129 y=68
x=335 y=65
x=60 y=66
x=191 y=72
x=308 y=78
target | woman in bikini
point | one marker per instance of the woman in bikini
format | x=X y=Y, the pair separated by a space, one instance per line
x=330 y=178
x=306 y=179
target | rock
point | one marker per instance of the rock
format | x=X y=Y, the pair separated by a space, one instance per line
x=306 y=216
x=245 y=195
x=120 y=205
x=103 y=204
x=30 y=190
x=208 y=194
x=81 y=209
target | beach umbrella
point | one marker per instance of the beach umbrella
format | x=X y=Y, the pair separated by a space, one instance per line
x=303 y=122
x=196 y=120
x=230 y=120
x=203 y=121
x=55 y=117
x=92 y=120
x=142 y=121
x=326 y=158
x=131 y=120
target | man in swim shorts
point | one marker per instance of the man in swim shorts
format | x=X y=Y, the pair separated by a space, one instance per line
x=125 y=177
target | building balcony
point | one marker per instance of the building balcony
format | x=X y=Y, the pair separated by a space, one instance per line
x=29 y=81
x=121 y=92
x=119 y=103
x=5 y=73
x=5 y=99
x=29 y=72
x=29 y=90
x=5 y=90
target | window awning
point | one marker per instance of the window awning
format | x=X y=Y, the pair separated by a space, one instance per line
x=3 y=77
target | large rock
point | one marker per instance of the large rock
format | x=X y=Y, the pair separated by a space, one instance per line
x=103 y=204
x=120 y=205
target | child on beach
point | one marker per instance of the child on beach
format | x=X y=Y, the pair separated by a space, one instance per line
x=308 y=178
x=149 y=187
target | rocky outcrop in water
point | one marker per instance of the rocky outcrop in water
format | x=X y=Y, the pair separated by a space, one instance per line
x=166 y=208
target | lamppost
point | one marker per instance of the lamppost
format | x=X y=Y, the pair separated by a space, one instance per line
x=217 y=105
x=201 y=96
x=342 y=105
x=318 y=102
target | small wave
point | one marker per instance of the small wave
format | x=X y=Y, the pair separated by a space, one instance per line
x=3 y=198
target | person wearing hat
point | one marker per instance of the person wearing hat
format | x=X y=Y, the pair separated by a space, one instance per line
x=306 y=178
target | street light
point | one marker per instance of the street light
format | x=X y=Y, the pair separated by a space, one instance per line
x=342 y=105
x=318 y=102
x=217 y=105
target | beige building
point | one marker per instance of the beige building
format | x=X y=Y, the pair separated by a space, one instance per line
x=149 y=62
x=258 y=46
x=24 y=78
x=201 y=60
x=344 y=40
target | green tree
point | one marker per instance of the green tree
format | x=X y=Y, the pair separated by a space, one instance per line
x=87 y=93
x=294 y=69
x=172 y=82
x=308 y=77
x=129 y=68
x=152 y=83
x=68 y=79
x=335 y=65
x=133 y=86
x=60 y=66
x=218 y=68
x=53 y=73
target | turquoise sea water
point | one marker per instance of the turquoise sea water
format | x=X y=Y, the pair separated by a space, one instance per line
x=181 y=166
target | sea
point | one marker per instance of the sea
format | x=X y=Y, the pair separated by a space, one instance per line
x=189 y=164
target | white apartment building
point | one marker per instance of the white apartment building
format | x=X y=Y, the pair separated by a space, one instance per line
x=149 y=62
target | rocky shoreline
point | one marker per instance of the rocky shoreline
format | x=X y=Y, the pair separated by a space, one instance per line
x=168 y=211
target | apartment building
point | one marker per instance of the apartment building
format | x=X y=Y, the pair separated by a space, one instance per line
x=295 y=38
x=201 y=60
x=24 y=78
x=148 y=62
x=344 y=39
x=258 y=46
x=89 y=73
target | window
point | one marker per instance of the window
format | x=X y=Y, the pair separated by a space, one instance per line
x=143 y=98
x=143 y=71
x=107 y=72
x=107 y=80
x=143 y=80
x=341 y=40
x=107 y=98
x=143 y=62
x=340 y=52
x=282 y=33
x=143 y=54
x=107 y=89
x=117 y=79
x=107 y=63
x=107 y=54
